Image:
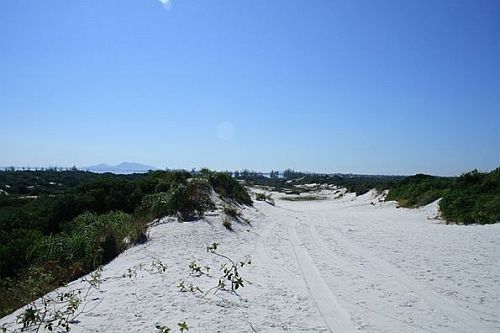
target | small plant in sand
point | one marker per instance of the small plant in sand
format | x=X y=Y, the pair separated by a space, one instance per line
x=155 y=267
x=264 y=197
x=226 y=222
x=183 y=326
x=260 y=196
x=132 y=272
x=232 y=214
x=198 y=270
x=231 y=280
x=165 y=329
x=59 y=311
x=191 y=288
x=231 y=211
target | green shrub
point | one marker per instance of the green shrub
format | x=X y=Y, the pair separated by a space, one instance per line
x=156 y=205
x=110 y=194
x=163 y=181
x=38 y=281
x=228 y=187
x=474 y=198
x=90 y=240
x=190 y=201
x=14 y=246
x=419 y=190
x=231 y=211
x=53 y=232
x=86 y=242
x=163 y=186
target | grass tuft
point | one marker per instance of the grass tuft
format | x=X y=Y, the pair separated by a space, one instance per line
x=303 y=198
x=226 y=222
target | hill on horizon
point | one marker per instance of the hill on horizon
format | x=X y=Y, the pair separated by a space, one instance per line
x=124 y=167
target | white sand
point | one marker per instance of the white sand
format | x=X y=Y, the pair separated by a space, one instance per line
x=336 y=265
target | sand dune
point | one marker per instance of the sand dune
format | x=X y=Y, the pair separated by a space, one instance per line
x=334 y=265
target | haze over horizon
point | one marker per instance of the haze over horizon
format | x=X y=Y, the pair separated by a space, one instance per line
x=364 y=87
x=124 y=167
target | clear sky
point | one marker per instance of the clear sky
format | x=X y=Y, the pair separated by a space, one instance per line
x=384 y=87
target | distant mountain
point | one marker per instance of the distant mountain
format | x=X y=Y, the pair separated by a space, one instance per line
x=125 y=167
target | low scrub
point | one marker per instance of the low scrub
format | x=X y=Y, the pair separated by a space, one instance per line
x=227 y=187
x=419 y=190
x=226 y=222
x=190 y=200
x=231 y=211
x=229 y=279
x=473 y=197
x=89 y=241
x=72 y=221
x=259 y=196
x=156 y=205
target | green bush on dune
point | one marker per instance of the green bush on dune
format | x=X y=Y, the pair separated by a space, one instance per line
x=419 y=190
x=227 y=187
x=90 y=240
x=155 y=205
x=70 y=229
x=191 y=200
x=473 y=197
x=87 y=242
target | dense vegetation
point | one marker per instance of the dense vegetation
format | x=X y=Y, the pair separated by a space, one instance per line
x=473 y=197
x=56 y=226
x=419 y=190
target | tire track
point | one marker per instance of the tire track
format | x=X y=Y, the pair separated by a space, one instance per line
x=344 y=263
x=263 y=253
x=445 y=306
x=335 y=316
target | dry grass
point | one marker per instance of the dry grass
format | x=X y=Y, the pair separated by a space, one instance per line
x=304 y=198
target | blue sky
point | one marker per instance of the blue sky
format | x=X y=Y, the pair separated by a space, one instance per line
x=384 y=87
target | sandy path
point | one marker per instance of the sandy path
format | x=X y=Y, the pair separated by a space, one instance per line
x=338 y=265
x=377 y=294
x=376 y=267
x=335 y=316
